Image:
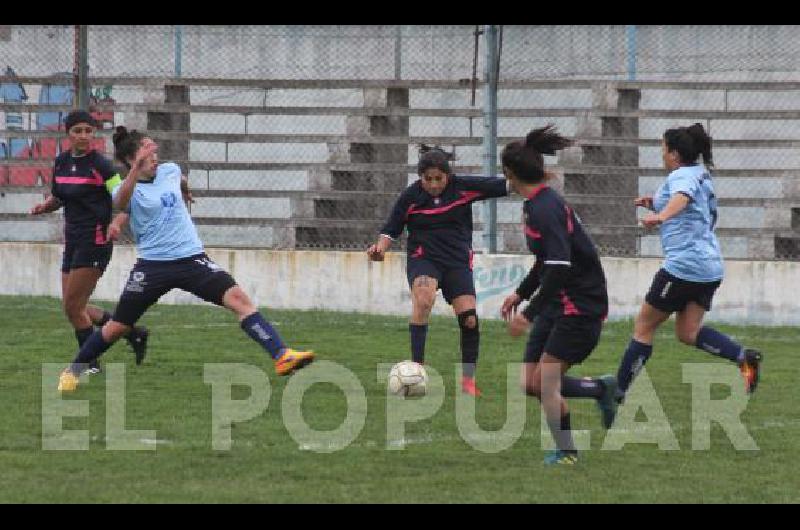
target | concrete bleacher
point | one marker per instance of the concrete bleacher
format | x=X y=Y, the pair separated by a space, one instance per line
x=318 y=164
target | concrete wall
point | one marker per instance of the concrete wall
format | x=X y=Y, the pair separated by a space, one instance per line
x=754 y=292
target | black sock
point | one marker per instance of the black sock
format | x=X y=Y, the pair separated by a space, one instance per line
x=83 y=334
x=562 y=434
x=105 y=318
x=587 y=387
x=418 y=333
x=470 y=342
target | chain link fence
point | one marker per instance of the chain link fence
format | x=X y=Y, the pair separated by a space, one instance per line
x=303 y=136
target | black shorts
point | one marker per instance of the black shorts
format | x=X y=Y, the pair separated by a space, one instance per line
x=80 y=255
x=569 y=338
x=670 y=294
x=452 y=281
x=150 y=280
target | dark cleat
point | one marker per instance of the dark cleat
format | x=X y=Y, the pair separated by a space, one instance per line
x=608 y=403
x=138 y=342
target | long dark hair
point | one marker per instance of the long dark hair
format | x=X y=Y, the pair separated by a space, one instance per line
x=434 y=157
x=524 y=157
x=126 y=143
x=690 y=142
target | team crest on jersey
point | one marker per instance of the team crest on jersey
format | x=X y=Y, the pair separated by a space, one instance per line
x=74 y=168
x=168 y=200
x=437 y=200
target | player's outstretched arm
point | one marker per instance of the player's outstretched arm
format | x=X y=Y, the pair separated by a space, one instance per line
x=377 y=251
x=51 y=204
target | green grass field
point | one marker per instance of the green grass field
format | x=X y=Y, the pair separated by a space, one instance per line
x=167 y=394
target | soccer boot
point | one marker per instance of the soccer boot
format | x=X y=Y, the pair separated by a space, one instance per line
x=292 y=360
x=468 y=386
x=559 y=457
x=137 y=339
x=751 y=369
x=67 y=381
x=608 y=402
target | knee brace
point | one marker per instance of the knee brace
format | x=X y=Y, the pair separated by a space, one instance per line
x=463 y=319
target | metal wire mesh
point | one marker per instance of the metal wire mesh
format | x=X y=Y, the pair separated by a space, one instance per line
x=303 y=136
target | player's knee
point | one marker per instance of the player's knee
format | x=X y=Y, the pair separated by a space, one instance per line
x=237 y=300
x=528 y=383
x=424 y=298
x=113 y=330
x=687 y=336
x=74 y=310
x=468 y=320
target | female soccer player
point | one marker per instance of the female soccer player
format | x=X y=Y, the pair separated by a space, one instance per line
x=571 y=303
x=170 y=255
x=685 y=210
x=81 y=179
x=437 y=211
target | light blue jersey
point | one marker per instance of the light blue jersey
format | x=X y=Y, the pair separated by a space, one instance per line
x=690 y=246
x=160 y=222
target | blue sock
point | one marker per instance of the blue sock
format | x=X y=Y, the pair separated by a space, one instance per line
x=93 y=348
x=714 y=342
x=418 y=334
x=632 y=362
x=263 y=333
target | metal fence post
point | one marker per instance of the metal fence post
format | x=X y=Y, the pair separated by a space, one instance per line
x=630 y=40
x=81 y=67
x=490 y=133
x=178 y=49
x=398 y=52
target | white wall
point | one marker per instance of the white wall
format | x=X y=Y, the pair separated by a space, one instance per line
x=754 y=292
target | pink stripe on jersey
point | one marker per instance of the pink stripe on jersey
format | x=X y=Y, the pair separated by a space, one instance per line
x=99 y=236
x=569 y=306
x=531 y=233
x=570 y=228
x=80 y=180
x=466 y=197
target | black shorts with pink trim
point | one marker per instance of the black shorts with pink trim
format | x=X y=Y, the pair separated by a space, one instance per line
x=80 y=255
x=568 y=338
x=452 y=281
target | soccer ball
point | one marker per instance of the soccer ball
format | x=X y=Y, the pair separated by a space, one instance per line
x=408 y=378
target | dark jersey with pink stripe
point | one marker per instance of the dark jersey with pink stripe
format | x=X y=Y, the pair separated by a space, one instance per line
x=80 y=183
x=440 y=228
x=554 y=234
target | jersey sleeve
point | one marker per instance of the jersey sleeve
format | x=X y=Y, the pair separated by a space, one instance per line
x=552 y=224
x=685 y=183
x=53 y=179
x=488 y=187
x=393 y=227
x=104 y=167
x=531 y=282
